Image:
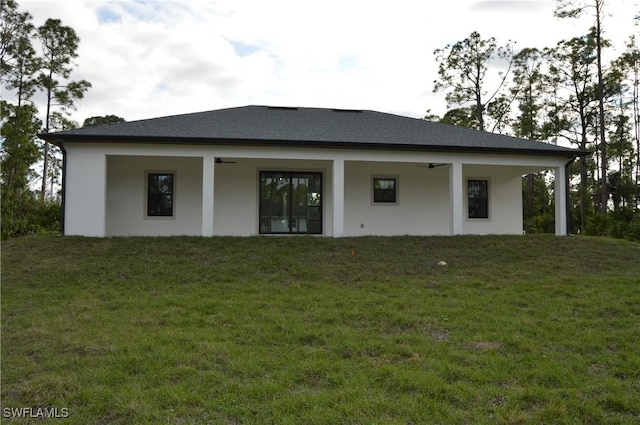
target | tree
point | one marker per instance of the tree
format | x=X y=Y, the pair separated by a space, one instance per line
x=462 y=72
x=537 y=212
x=620 y=147
x=572 y=67
x=19 y=150
x=622 y=82
x=59 y=48
x=18 y=154
x=12 y=24
x=102 y=120
x=19 y=62
x=630 y=65
x=22 y=73
x=574 y=9
x=528 y=91
x=430 y=116
x=499 y=110
x=464 y=117
x=18 y=65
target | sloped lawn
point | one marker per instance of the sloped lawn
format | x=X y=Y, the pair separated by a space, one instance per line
x=297 y=330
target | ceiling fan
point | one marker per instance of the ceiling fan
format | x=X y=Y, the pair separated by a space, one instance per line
x=219 y=160
x=431 y=165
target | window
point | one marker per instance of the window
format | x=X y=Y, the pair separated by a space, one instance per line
x=385 y=190
x=290 y=202
x=160 y=194
x=478 y=202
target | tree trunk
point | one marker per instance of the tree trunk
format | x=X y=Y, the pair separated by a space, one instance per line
x=583 y=184
x=530 y=195
x=479 y=106
x=636 y=127
x=45 y=170
x=45 y=159
x=603 y=142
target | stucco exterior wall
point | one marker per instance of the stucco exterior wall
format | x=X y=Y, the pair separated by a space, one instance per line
x=105 y=189
x=236 y=193
x=85 y=185
x=423 y=200
x=125 y=200
x=422 y=207
x=505 y=200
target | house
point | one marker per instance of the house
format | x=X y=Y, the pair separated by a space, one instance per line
x=258 y=170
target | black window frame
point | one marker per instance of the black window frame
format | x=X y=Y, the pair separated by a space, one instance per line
x=478 y=199
x=384 y=196
x=153 y=210
x=265 y=228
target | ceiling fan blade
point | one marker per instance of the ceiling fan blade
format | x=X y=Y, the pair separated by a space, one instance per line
x=222 y=161
x=430 y=165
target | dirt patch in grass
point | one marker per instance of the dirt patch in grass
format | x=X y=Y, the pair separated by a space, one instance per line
x=484 y=345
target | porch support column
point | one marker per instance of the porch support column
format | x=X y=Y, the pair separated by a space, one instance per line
x=456 y=198
x=560 y=189
x=208 y=168
x=338 y=198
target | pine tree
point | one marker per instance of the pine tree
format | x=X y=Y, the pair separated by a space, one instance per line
x=59 y=49
x=462 y=72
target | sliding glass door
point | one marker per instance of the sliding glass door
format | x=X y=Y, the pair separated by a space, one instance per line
x=290 y=202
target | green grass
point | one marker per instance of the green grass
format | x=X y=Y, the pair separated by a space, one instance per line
x=513 y=330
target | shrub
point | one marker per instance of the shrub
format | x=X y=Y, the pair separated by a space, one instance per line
x=624 y=225
x=633 y=230
x=542 y=223
x=596 y=225
x=25 y=215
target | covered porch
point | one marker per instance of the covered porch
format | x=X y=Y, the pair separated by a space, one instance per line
x=220 y=190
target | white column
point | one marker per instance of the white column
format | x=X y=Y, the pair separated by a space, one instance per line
x=456 y=198
x=338 y=198
x=208 y=168
x=560 y=189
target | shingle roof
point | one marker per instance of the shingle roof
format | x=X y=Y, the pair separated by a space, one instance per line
x=308 y=127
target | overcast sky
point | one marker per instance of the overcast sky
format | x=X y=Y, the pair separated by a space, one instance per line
x=150 y=58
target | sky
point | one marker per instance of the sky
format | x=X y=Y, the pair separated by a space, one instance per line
x=152 y=58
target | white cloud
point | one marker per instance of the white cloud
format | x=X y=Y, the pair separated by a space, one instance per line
x=150 y=58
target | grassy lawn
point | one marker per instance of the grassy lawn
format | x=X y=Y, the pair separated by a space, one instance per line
x=513 y=330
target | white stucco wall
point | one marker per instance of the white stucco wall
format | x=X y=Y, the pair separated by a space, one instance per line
x=422 y=207
x=125 y=200
x=505 y=200
x=236 y=193
x=84 y=198
x=105 y=189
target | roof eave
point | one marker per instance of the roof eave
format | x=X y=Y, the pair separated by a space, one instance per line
x=59 y=140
